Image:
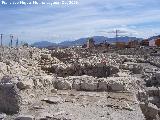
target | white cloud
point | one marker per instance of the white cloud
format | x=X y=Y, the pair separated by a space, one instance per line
x=87 y=18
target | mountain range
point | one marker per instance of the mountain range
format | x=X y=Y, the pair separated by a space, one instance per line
x=82 y=41
x=154 y=37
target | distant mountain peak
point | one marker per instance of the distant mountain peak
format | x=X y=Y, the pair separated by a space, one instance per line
x=82 y=41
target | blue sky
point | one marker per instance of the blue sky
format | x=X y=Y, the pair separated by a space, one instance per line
x=57 y=23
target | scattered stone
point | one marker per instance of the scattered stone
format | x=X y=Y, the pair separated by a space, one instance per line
x=54 y=90
x=2 y=116
x=53 y=100
x=63 y=85
x=27 y=84
x=25 y=117
x=152 y=110
x=46 y=56
x=59 y=113
x=9 y=98
x=103 y=85
x=89 y=85
x=152 y=91
x=116 y=84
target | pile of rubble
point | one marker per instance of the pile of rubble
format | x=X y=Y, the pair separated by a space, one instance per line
x=45 y=84
x=147 y=62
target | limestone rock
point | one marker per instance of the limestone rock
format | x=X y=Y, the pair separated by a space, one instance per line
x=136 y=69
x=25 y=117
x=142 y=96
x=103 y=85
x=53 y=100
x=3 y=67
x=152 y=110
x=113 y=70
x=27 y=84
x=152 y=91
x=117 y=86
x=63 y=85
x=45 y=116
x=54 y=90
x=89 y=85
x=2 y=116
x=46 y=56
x=76 y=84
x=9 y=98
x=157 y=76
x=47 y=80
x=149 y=110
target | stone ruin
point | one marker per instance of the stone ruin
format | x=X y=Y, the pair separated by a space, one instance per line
x=37 y=84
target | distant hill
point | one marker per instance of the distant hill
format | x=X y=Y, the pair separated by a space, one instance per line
x=97 y=39
x=154 y=37
x=43 y=44
x=82 y=41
